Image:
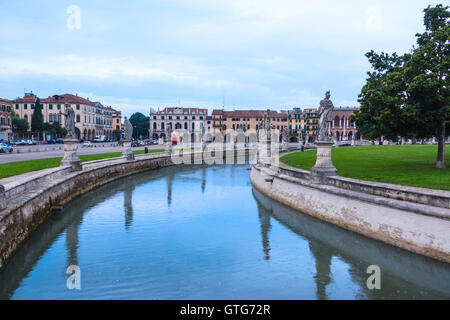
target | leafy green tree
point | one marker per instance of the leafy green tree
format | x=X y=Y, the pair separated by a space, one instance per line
x=408 y=95
x=54 y=129
x=141 y=124
x=19 y=125
x=37 y=120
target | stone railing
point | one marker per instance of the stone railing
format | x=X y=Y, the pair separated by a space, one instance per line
x=434 y=198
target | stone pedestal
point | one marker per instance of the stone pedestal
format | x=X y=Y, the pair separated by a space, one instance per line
x=126 y=151
x=70 y=155
x=324 y=166
x=168 y=146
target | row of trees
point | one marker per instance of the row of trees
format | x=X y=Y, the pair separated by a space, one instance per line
x=38 y=126
x=408 y=95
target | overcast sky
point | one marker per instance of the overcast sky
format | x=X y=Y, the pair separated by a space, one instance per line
x=242 y=54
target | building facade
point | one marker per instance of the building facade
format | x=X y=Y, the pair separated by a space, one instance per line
x=312 y=123
x=247 y=119
x=91 y=118
x=5 y=119
x=342 y=128
x=117 y=124
x=297 y=119
x=194 y=120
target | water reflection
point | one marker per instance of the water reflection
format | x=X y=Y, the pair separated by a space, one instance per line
x=264 y=219
x=128 y=206
x=404 y=275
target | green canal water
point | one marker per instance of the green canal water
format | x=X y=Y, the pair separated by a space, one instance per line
x=197 y=232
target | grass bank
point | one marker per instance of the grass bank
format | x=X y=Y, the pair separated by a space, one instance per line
x=14 y=168
x=411 y=165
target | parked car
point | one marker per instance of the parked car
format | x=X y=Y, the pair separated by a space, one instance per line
x=4 y=147
x=20 y=143
x=59 y=141
x=87 y=144
x=134 y=143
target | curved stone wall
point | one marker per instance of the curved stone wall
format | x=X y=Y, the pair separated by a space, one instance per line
x=30 y=198
x=405 y=224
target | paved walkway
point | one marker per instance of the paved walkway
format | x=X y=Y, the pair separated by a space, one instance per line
x=21 y=156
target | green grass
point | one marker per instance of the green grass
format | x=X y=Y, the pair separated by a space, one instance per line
x=411 y=165
x=14 y=168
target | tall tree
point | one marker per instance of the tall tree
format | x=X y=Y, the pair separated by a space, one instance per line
x=37 y=120
x=141 y=124
x=408 y=95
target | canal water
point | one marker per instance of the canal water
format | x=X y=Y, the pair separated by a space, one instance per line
x=197 y=232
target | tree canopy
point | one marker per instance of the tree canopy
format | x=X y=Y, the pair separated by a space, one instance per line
x=20 y=125
x=408 y=95
x=141 y=125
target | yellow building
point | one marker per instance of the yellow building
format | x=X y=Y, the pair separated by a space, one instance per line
x=117 y=124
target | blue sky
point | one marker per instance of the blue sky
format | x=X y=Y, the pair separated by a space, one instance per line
x=135 y=55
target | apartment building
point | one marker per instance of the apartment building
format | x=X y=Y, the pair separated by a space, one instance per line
x=247 y=119
x=5 y=119
x=194 y=120
x=91 y=118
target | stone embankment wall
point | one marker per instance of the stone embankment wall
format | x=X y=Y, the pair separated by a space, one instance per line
x=27 y=200
x=414 y=219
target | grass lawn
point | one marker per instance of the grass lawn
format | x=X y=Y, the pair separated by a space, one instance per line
x=19 y=167
x=411 y=165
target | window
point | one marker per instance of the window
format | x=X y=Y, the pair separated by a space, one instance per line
x=154 y=125
x=59 y=107
x=170 y=117
x=185 y=126
x=154 y=117
x=193 y=126
x=50 y=107
x=78 y=107
x=162 y=126
x=78 y=118
x=17 y=106
x=26 y=116
x=25 y=107
x=32 y=106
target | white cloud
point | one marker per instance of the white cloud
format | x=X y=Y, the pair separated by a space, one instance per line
x=174 y=70
x=374 y=18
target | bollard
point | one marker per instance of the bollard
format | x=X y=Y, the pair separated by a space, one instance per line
x=146 y=150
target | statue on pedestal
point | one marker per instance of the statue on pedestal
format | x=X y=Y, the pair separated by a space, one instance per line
x=325 y=114
x=127 y=136
x=324 y=166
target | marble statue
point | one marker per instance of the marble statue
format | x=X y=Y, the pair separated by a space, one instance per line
x=325 y=114
x=128 y=130
x=285 y=134
x=69 y=122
